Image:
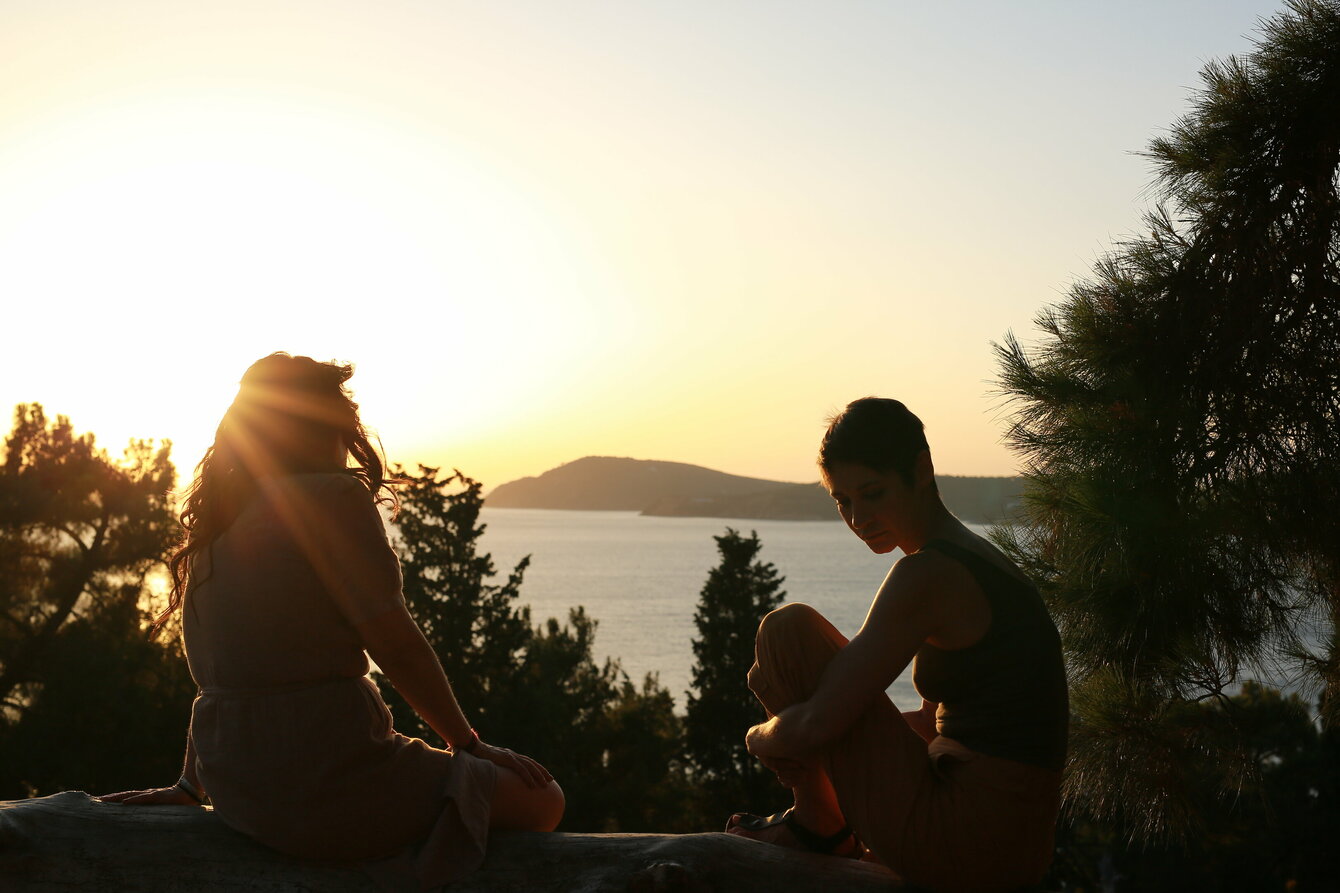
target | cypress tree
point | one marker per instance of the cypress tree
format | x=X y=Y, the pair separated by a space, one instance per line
x=738 y=593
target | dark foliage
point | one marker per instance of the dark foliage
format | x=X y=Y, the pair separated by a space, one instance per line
x=474 y=624
x=1273 y=832
x=86 y=701
x=537 y=690
x=110 y=711
x=1179 y=428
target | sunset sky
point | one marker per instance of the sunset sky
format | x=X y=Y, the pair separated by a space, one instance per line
x=669 y=230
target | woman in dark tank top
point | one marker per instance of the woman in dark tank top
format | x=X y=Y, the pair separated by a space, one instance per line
x=962 y=794
x=1005 y=695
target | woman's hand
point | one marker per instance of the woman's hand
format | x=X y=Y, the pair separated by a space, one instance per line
x=531 y=772
x=171 y=796
x=767 y=741
x=922 y=721
x=787 y=735
x=761 y=741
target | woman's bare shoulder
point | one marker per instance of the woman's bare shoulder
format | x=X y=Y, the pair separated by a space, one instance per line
x=927 y=569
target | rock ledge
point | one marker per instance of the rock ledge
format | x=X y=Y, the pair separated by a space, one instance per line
x=70 y=841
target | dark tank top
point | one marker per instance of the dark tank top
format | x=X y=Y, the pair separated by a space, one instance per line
x=1005 y=695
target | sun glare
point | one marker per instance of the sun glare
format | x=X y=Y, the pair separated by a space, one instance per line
x=172 y=243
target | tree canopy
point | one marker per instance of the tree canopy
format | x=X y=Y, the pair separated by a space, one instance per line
x=536 y=689
x=1178 y=423
x=80 y=536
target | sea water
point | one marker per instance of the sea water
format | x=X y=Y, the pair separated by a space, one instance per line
x=640 y=578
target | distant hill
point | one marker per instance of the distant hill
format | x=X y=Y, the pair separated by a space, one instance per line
x=778 y=502
x=606 y=483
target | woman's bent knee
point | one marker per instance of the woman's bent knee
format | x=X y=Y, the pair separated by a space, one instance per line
x=794 y=645
x=549 y=809
x=517 y=807
x=793 y=628
x=789 y=617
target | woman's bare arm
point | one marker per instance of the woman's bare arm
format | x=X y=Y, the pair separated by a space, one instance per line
x=173 y=795
x=399 y=648
x=910 y=607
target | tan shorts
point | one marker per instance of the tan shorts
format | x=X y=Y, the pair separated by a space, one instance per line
x=941 y=816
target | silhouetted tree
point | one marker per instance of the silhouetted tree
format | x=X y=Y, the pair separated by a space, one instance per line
x=85 y=699
x=738 y=593
x=650 y=787
x=474 y=624
x=1276 y=831
x=1180 y=427
x=109 y=710
x=537 y=690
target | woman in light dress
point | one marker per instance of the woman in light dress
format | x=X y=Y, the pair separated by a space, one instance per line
x=287 y=584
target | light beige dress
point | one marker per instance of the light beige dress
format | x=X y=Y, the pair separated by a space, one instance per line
x=293 y=741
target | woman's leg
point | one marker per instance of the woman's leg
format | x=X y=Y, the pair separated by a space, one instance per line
x=517 y=807
x=869 y=778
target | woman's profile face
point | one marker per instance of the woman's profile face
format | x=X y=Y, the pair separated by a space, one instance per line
x=876 y=505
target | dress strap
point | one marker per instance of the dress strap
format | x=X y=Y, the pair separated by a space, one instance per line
x=959 y=553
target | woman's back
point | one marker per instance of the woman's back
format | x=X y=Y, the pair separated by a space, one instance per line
x=279 y=589
x=284 y=578
x=295 y=745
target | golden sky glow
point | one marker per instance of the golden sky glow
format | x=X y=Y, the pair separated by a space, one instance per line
x=550 y=229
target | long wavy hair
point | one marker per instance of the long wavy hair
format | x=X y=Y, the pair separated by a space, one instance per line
x=283 y=420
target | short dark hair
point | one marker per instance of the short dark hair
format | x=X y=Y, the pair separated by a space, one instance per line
x=877 y=432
